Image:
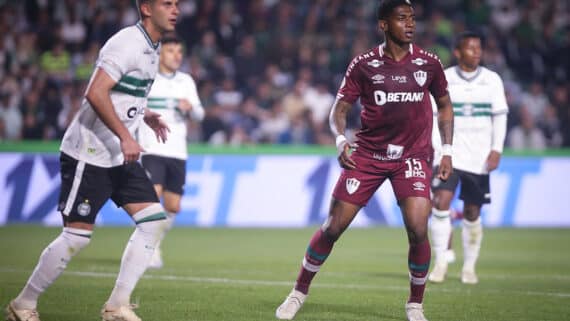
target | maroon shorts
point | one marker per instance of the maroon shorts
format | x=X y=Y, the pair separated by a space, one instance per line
x=409 y=177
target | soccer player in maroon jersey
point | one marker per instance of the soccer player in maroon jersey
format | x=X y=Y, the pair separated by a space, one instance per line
x=393 y=82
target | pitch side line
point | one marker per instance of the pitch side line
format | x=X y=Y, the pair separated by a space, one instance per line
x=284 y=283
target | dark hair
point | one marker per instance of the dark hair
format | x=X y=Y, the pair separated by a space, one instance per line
x=385 y=7
x=466 y=35
x=139 y=3
x=170 y=37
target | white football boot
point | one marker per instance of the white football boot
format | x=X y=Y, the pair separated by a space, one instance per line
x=124 y=313
x=415 y=312
x=13 y=314
x=468 y=276
x=293 y=302
x=439 y=271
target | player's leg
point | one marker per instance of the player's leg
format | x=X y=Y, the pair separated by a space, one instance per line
x=134 y=192
x=321 y=244
x=416 y=212
x=475 y=192
x=410 y=181
x=440 y=224
x=352 y=191
x=171 y=203
x=472 y=237
x=84 y=190
x=172 y=191
x=156 y=170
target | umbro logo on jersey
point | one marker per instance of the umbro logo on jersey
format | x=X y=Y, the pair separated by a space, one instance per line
x=420 y=76
x=419 y=61
x=419 y=186
x=352 y=185
x=378 y=79
x=375 y=63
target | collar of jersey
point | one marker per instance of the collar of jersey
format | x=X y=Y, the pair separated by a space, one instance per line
x=167 y=76
x=146 y=35
x=470 y=79
x=383 y=45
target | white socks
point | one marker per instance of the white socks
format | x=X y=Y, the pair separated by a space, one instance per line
x=51 y=264
x=151 y=226
x=169 y=222
x=440 y=226
x=472 y=234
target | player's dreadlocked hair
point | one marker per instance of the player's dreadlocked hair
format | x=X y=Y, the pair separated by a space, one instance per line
x=386 y=6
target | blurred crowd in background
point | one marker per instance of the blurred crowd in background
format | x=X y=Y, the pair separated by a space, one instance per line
x=268 y=70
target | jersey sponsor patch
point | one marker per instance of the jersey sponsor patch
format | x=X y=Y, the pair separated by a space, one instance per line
x=381 y=97
x=419 y=61
x=352 y=185
x=375 y=63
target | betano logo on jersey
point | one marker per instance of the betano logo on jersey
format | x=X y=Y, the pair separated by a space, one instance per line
x=381 y=97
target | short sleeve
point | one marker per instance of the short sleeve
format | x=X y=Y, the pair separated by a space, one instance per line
x=115 y=57
x=438 y=86
x=350 y=88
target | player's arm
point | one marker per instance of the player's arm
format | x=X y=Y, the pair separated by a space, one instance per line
x=159 y=127
x=196 y=110
x=337 y=122
x=445 y=124
x=499 y=119
x=499 y=133
x=98 y=95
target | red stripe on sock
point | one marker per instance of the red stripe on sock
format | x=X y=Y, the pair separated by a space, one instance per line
x=321 y=245
x=418 y=254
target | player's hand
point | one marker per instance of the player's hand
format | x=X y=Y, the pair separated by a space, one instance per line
x=493 y=160
x=344 y=160
x=184 y=105
x=445 y=168
x=153 y=121
x=131 y=149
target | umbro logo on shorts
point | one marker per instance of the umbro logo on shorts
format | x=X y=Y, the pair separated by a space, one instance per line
x=352 y=185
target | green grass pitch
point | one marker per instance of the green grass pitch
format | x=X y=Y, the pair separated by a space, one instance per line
x=244 y=274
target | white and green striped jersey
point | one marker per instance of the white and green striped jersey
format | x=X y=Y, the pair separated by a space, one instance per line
x=164 y=97
x=476 y=101
x=131 y=59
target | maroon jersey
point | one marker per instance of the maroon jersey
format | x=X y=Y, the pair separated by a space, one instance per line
x=397 y=115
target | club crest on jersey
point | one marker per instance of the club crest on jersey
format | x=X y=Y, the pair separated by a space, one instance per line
x=419 y=61
x=375 y=63
x=420 y=76
x=84 y=208
x=352 y=185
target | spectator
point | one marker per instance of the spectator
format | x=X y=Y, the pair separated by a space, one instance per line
x=526 y=135
x=10 y=116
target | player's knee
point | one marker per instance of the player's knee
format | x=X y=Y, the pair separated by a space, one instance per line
x=417 y=235
x=151 y=220
x=333 y=232
x=440 y=214
x=76 y=239
x=172 y=208
x=471 y=212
